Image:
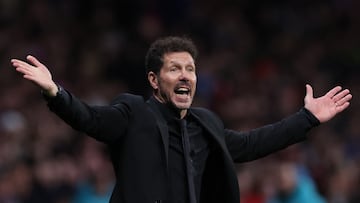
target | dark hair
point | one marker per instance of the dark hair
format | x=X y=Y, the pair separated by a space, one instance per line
x=162 y=46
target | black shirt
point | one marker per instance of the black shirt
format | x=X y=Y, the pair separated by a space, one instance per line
x=199 y=151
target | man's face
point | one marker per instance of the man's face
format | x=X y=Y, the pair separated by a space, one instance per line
x=176 y=81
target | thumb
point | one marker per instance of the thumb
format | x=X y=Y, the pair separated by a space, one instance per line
x=34 y=61
x=309 y=92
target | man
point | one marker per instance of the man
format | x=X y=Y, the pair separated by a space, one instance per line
x=163 y=150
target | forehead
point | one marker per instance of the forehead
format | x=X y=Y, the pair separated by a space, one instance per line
x=178 y=57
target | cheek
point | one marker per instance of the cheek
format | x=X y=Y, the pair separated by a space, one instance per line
x=165 y=88
x=193 y=77
x=194 y=81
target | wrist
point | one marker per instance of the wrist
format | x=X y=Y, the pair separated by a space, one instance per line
x=51 y=91
x=312 y=118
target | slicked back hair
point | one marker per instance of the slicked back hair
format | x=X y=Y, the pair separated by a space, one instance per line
x=155 y=56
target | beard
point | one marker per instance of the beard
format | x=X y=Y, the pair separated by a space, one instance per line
x=174 y=98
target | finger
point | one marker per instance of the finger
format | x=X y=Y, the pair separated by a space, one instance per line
x=333 y=91
x=343 y=100
x=15 y=61
x=341 y=94
x=19 y=63
x=24 y=71
x=309 y=92
x=34 y=61
x=342 y=107
x=23 y=66
x=31 y=78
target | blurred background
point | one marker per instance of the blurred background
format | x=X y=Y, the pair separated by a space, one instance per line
x=255 y=58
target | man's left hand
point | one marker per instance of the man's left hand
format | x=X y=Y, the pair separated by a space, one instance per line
x=326 y=107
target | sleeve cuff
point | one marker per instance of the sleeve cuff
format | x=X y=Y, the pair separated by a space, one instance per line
x=313 y=120
x=58 y=94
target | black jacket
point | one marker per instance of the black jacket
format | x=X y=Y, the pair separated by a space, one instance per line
x=137 y=136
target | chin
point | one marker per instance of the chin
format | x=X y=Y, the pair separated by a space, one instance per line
x=182 y=106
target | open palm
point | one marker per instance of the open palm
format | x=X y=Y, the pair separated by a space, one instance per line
x=326 y=107
x=37 y=73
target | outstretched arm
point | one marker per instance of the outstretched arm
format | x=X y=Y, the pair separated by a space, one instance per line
x=37 y=73
x=326 y=107
x=257 y=143
x=96 y=121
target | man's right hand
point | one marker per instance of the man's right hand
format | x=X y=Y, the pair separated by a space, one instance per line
x=37 y=73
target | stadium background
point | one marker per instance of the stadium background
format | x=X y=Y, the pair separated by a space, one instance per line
x=255 y=58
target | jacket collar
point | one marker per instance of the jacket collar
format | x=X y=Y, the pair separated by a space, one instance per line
x=161 y=124
x=162 y=113
x=210 y=127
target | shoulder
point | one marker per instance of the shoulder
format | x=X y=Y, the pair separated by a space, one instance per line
x=206 y=115
x=134 y=105
x=202 y=111
x=127 y=99
x=129 y=102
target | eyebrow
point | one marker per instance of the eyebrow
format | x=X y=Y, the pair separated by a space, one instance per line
x=176 y=63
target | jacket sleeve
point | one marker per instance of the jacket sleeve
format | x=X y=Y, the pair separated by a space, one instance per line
x=104 y=123
x=257 y=143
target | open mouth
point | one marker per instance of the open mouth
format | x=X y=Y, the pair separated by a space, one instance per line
x=182 y=91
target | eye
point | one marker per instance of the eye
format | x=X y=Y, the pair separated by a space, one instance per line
x=173 y=69
x=191 y=68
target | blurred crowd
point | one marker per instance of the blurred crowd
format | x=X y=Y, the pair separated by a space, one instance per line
x=255 y=58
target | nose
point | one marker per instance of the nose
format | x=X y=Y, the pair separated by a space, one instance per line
x=185 y=75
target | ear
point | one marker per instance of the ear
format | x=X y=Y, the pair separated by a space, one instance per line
x=153 y=80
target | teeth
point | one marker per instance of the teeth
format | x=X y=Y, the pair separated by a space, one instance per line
x=182 y=89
